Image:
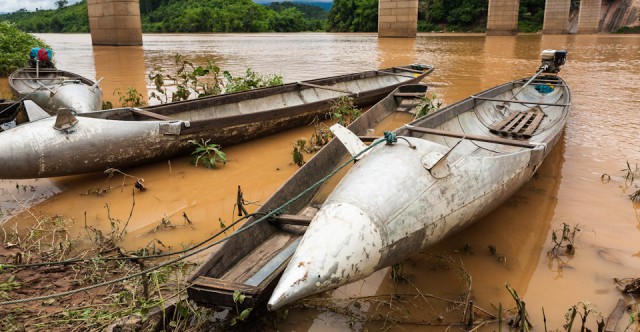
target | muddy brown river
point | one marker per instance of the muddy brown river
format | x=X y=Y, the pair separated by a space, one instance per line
x=602 y=135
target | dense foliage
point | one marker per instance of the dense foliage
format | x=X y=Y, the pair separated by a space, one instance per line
x=452 y=15
x=184 y=16
x=248 y=16
x=74 y=18
x=531 y=15
x=353 y=16
x=224 y=16
x=15 y=46
x=635 y=29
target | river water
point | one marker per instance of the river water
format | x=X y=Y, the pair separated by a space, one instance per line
x=602 y=135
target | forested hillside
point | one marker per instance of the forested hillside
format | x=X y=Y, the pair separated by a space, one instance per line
x=322 y=4
x=249 y=16
x=185 y=16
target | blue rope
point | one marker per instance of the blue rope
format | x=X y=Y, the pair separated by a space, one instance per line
x=390 y=137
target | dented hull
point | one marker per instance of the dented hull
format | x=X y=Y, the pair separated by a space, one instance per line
x=398 y=200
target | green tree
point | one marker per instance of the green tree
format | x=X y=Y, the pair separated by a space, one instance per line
x=287 y=20
x=457 y=15
x=531 y=15
x=15 y=45
x=353 y=16
x=61 y=4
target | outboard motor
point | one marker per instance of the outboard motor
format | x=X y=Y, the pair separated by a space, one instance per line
x=552 y=60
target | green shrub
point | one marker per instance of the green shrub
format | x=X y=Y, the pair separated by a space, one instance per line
x=635 y=29
x=15 y=45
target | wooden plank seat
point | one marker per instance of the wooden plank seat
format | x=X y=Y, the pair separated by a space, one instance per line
x=149 y=114
x=519 y=124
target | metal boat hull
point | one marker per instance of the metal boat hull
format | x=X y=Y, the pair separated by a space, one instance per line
x=126 y=137
x=398 y=200
x=52 y=89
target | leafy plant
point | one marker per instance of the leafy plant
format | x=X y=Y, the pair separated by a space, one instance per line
x=251 y=80
x=195 y=81
x=238 y=298
x=210 y=154
x=344 y=111
x=321 y=135
x=428 y=105
x=298 y=147
x=190 y=81
x=129 y=98
x=15 y=45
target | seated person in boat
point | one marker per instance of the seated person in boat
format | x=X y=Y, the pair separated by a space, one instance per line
x=42 y=55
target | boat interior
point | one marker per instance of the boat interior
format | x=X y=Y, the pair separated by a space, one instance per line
x=290 y=95
x=26 y=80
x=506 y=119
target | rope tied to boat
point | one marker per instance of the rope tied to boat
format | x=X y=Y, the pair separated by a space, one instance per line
x=184 y=254
x=390 y=137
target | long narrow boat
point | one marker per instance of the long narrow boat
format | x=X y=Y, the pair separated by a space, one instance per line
x=456 y=166
x=118 y=138
x=52 y=89
x=253 y=258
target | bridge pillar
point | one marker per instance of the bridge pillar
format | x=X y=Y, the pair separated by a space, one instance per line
x=397 y=18
x=589 y=17
x=115 y=22
x=556 y=17
x=503 y=17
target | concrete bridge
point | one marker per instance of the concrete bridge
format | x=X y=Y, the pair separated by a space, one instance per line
x=117 y=22
x=399 y=18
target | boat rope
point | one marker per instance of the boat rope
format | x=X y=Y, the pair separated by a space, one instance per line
x=18 y=101
x=195 y=252
x=390 y=138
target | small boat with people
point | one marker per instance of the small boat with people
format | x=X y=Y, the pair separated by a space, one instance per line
x=52 y=88
x=94 y=141
x=450 y=169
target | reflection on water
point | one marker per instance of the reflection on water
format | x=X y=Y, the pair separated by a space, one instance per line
x=123 y=66
x=602 y=71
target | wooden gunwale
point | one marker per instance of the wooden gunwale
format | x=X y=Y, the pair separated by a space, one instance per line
x=15 y=76
x=326 y=88
x=392 y=73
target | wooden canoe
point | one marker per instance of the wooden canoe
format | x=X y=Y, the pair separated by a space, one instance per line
x=254 y=257
x=466 y=160
x=52 y=89
x=125 y=137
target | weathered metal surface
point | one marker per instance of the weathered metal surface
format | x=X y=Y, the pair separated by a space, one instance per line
x=125 y=137
x=236 y=256
x=53 y=89
x=389 y=205
x=350 y=141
